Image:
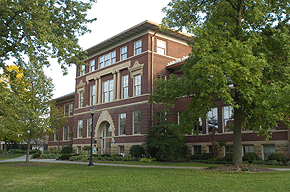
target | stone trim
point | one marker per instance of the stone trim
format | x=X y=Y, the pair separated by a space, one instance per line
x=136 y=69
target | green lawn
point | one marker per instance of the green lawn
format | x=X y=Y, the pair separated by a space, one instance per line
x=9 y=156
x=75 y=177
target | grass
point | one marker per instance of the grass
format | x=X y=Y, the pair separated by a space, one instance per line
x=9 y=156
x=75 y=177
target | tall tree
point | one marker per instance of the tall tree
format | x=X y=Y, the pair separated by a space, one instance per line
x=39 y=29
x=240 y=56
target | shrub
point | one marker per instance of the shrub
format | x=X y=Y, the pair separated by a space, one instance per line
x=277 y=157
x=54 y=150
x=36 y=155
x=87 y=148
x=245 y=162
x=280 y=163
x=258 y=162
x=147 y=159
x=250 y=157
x=1 y=151
x=195 y=156
x=271 y=162
x=66 y=149
x=205 y=156
x=48 y=156
x=65 y=156
x=287 y=164
x=137 y=151
x=81 y=157
x=18 y=151
x=229 y=157
x=128 y=158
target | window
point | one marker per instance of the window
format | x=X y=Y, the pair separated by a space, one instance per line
x=198 y=126
x=56 y=135
x=161 y=76
x=268 y=149
x=228 y=121
x=197 y=149
x=65 y=111
x=123 y=53
x=83 y=70
x=113 y=57
x=101 y=62
x=138 y=47
x=93 y=94
x=108 y=91
x=70 y=133
x=107 y=59
x=210 y=150
x=122 y=150
x=89 y=128
x=248 y=148
x=80 y=128
x=137 y=85
x=229 y=149
x=92 y=65
x=161 y=116
x=161 y=47
x=71 y=107
x=81 y=99
x=122 y=123
x=212 y=120
x=64 y=133
x=137 y=122
x=125 y=83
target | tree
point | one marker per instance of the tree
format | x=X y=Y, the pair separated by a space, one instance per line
x=164 y=141
x=240 y=56
x=40 y=29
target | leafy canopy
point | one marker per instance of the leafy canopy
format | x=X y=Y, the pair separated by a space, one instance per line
x=39 y=29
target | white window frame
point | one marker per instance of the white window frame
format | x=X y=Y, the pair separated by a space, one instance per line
x=160 y=49
x=138 y=47
x=211 y=114
x=227 y=117
x=71 y=109
x=80 y=126
x=89 y=126
x=101 y=62
x=65 y=110
x=107 y=59
x=108 y=90
x=113 y=57
x=136 y=122
x=264 y=153
x=137 y=85
x=93 y=94
x=92 y=65
x=161 y=76
x=125 y=94
x=64 y=133
x=124 y=55
x=83 y=70
x=122 y=115
x=69 y=131
x=81 y=99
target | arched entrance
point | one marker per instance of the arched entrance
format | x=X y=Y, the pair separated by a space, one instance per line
x=106 y=138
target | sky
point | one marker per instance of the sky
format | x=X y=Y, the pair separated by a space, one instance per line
x=113 y=17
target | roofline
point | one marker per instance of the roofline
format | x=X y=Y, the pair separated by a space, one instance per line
x=65 y=97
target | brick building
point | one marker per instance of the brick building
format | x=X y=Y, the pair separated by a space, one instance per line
x=117 y=80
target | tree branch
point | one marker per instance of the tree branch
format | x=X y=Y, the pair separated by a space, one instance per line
x=232 y=4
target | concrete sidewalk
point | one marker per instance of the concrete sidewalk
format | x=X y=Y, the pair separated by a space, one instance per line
x=23 y=159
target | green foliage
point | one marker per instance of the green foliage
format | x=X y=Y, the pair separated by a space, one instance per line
x=54 y=151
x=251 y=157
x=87 y=148
x=38 y=30
x=49 y=156
x=164 y=142
x=37 y=154
x=258 y=162
x=205 y=156
x=81 y=157
x=229 y=157
x=147 y=159
x=240 y=56
x=137 y=151
x=18 y=151
x=64 y=156
x=277 y=157
x=271 y=162
x=195 y=157
x=127 y=158
x=287 y=163
x=1 y=151
x=66 y=149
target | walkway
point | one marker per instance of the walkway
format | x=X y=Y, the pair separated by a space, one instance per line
x=23 y=159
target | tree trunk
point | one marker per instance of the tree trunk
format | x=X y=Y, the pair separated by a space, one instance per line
x=237 y=138
x=28 y=149
x=5 y=148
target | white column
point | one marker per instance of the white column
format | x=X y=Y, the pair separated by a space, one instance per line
x=96 y=91
x=118 y=85
x=100 y=91
x=114 y=89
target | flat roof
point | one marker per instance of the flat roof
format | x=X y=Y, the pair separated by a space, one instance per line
x=65 y=97
x=146 y=25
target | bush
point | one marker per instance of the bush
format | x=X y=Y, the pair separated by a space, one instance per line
x=1 y=151
x=54 y=150
x=147 y=159
x=205 y=156
x=271 y=162
x=258 y=162
x=66 y=149
x=229 y=157
x=287 y=164
x=65 y=156
x=280 y=163
x=195 y=156
x=250 y=157
x=49 y=156
x=18 y=151
x=246 y=162
x=137 y=151
x=81 y=157
x=277 y=157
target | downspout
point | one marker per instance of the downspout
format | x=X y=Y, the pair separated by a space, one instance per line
x=152 y=70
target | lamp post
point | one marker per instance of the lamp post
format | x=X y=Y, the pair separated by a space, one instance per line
x=92 y=110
